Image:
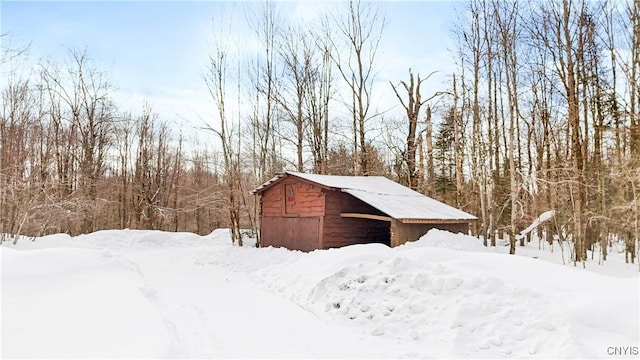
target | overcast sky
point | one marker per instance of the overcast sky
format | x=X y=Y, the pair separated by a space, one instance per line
x=157 y=51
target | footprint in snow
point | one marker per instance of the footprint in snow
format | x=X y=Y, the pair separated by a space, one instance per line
x=456 y=324
x=484 y=345
x=453 y=283
x=149 y=293
x=507 y=314
x=521 y=334
x=421 y=281
x=416 y=308
x=496 y=341
x=106 y=254
x=436 y=288
x=548 y=326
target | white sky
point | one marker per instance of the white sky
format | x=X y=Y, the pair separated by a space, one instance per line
x=156 y=51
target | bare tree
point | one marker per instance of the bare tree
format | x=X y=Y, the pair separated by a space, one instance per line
x=431 y=176
x=215 y=79
x=17 y=136
x=457 y=143
x=360 y=30
x=296 y=54
x=507 y=15
x=84 y=94
x=412 y=107
x=125 y=132
x=319 y=95
x=265 y=118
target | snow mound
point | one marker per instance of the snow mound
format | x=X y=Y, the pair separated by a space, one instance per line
x=220 y=235
x=76 y=303
x=296 y=278
x=444 y=239
x=140 y=239
x=223 y=237
x=409 y=301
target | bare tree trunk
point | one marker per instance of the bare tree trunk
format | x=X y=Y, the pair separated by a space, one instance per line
x=457 y=144
x=507 y=14
x=431 y=173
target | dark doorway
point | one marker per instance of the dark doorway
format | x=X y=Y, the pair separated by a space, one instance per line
x=378 y=231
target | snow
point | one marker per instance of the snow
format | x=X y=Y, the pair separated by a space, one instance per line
x=152 y=294
x=444 y=239
x=544 y=217
x=66 y=302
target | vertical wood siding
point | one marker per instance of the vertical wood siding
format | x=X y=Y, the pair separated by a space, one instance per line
x=291 y=232
x=308 y=200
x=292 y=220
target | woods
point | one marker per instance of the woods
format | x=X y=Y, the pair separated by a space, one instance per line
x=541 y=113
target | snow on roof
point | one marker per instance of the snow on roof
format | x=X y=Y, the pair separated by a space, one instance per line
x=388 y=196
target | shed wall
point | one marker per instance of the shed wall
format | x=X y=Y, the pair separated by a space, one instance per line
x=292 y=214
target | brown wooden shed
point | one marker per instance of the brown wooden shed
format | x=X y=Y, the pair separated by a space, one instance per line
x=308 y=211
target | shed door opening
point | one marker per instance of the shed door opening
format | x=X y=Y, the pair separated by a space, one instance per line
x=378 y=231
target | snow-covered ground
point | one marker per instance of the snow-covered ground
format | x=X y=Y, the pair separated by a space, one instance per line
x=151 y=294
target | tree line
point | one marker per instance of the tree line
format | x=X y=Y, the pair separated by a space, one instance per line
x=72 y=162
x=542 y=112
x=549 y=100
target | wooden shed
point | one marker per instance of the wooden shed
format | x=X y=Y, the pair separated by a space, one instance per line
x=308 y=211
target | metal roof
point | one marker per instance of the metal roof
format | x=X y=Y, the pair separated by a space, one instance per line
x=388 y=196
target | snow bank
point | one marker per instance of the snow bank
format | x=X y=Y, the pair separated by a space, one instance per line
x=44 y=242
x=447 y=291
x=139 y=239
x=410 y=302
x=444 y=239
x=77 y=303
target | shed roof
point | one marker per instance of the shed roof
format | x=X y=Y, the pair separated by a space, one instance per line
x=388 y=196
